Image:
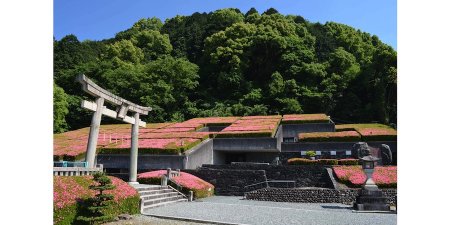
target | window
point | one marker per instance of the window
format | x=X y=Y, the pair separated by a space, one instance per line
x=289 y=140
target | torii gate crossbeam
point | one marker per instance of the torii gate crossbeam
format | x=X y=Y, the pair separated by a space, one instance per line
x=123 y=106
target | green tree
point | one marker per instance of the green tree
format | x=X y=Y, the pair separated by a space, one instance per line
x=145 y=24
x=124 y=51
x=98 y=206
x=152 y=43
x=225 y=63
x=60 y=109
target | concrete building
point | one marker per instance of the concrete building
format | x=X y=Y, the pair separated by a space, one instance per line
x=263 y=139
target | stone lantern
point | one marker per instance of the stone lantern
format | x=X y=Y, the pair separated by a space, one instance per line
x=368 y=164
x=370 y=198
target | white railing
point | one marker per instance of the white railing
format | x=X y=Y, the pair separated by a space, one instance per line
x=76 y=171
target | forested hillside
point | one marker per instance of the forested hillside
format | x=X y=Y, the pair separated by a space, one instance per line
x=227 y=63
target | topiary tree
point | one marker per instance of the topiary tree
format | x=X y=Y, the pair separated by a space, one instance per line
x=98 y=206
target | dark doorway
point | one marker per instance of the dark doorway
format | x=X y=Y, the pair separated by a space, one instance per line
x=235 y=157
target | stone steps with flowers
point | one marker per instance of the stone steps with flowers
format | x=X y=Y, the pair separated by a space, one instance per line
x=157 y=195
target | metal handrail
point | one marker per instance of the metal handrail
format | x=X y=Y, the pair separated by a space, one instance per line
x=181 y=193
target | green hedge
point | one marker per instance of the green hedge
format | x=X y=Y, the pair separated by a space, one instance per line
x=303 y=161
x=68 y=215
x=305 y=121
x=348 y=162
x=141 y=151
x=379 y=138
x=327 y=162
x=217 y=124
x=170 y=150
x=330 y=137
x=244 y=135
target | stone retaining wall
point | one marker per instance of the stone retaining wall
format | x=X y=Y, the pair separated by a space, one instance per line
x=345 y=196
x=304 y=175
x=229 y=182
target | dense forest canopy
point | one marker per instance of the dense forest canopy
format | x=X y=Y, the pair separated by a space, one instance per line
x=227 y=63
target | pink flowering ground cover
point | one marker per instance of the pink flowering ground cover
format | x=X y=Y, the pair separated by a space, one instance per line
x=252 y=126
x=186 y=124
x=188 y=181
x=329 y=136
x=378 y=134
x=275 y=117
x=68 y=191
x=174 y=129
x=371 y=131
x=198 y=135
x=353 y=176
x=157 y=125
x=153 y=146
x=305 y=118
x=214 y=121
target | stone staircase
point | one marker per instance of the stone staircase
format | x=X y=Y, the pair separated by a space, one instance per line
x=157 y=195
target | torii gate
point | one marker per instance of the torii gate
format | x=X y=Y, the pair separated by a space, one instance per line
x=123 y=106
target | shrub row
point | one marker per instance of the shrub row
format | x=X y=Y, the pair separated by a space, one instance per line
x=348 y=162
x=154 y=151
x=305 y=118
x=243 y=134
x=303 y=161
x=329 y=136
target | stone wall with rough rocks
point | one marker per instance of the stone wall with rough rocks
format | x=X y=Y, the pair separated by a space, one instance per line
x=345 y=196
x=303 y=175
x=229 y=182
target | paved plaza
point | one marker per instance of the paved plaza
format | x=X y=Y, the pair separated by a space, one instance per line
x=234 y=210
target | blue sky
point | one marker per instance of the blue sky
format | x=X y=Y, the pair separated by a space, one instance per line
x=100 y=19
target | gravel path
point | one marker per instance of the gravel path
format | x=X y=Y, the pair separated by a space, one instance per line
x=235 y=210
x=149 y=220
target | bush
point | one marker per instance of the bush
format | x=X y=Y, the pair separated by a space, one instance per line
x=70 y=194
x=310 y=153
x=348 y=162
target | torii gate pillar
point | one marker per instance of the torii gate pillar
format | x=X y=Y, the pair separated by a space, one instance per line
x=122 y=107
x=134 y=151
x=93 y=133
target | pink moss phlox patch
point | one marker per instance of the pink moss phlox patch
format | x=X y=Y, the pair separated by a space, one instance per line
x=185 y=179
x=67 y=190
x=383 y=175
